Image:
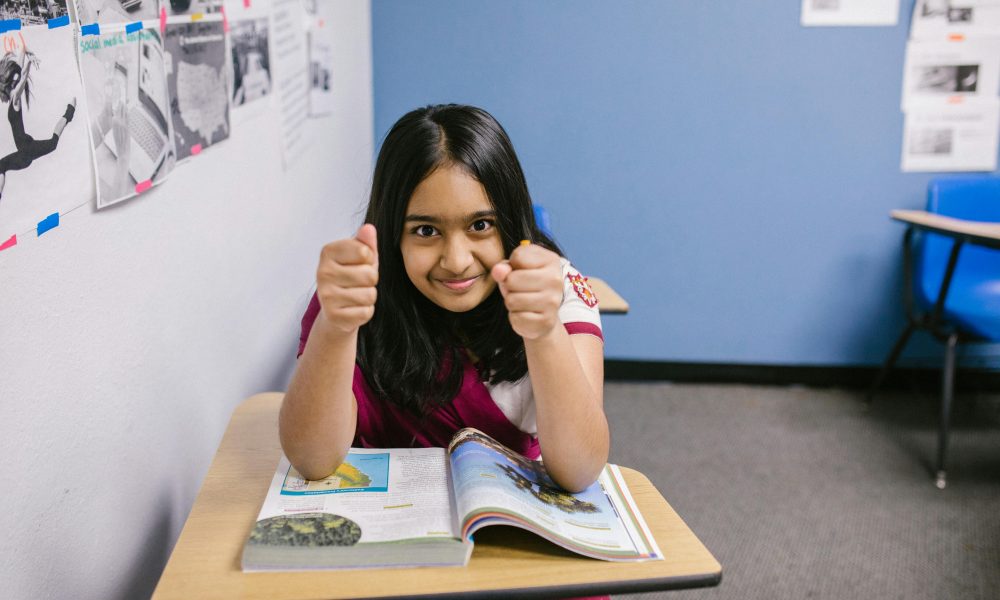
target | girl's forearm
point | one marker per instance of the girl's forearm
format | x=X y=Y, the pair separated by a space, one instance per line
x=572 y=428
x=319 y=413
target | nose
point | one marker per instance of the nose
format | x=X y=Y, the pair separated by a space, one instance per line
x=456 y=257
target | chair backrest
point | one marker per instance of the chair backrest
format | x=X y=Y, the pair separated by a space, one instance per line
x=974 y=198
x=542 y=220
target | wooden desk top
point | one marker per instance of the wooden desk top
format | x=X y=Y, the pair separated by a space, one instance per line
x=975 y=232
x=608 y=300
x=506 y=561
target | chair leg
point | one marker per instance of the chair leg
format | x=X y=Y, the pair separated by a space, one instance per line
x=947 y=392
x=889 y=362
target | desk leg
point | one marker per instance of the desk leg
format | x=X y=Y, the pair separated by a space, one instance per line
x=947 y=391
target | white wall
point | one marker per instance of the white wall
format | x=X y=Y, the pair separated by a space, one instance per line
x=127 y=337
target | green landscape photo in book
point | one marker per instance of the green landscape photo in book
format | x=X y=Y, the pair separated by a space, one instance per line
x=421 y=506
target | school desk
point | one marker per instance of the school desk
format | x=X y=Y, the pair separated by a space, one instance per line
x=506 y=562
x=974 y=232
x=608 y=300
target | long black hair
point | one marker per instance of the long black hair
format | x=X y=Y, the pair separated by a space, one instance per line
x=412 y=351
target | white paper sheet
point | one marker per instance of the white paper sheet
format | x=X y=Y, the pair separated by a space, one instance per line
x=290 y=60
x=939 y=19
x=849 y=12
x=951 y=138
x=951 y=72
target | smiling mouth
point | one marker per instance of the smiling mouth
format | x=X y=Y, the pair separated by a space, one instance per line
x=459 y=284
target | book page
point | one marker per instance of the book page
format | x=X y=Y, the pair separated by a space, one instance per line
x=382 y=495
x=494 y=485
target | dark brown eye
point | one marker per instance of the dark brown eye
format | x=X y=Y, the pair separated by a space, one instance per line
x=482 y=225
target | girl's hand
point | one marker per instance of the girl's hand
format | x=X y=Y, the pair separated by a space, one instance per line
x=346 y=278
x=532 y=288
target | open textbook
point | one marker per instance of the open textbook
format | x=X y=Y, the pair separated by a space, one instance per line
x=420 y=507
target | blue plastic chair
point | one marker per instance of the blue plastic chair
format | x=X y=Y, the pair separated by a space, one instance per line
x=952 y=288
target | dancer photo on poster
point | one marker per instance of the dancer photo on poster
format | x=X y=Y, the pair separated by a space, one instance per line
x=44 y=159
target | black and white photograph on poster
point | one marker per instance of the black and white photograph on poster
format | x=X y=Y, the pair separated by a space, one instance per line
x=125 y=85
x=945 y=79
x=251 y=60
x=192 y=7
x=196 y=83
x=44 y=152
x=116 y=11
x=320 y=69
x=32 y=12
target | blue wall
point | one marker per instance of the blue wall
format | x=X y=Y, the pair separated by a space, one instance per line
x=728 y=171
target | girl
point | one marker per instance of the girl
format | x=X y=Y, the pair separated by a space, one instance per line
x=15 y=90
x=437 y=316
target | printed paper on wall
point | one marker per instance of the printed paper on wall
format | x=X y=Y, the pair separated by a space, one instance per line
x=850 y=12
x=939 y=19
x=951 y=72
x=44 y=154
x=951 y=138
x=124 y=80
x=196 y=83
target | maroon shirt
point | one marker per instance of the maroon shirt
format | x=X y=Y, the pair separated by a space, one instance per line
x=382 y=424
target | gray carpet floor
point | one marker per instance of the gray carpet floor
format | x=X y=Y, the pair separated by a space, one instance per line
x=805 y=493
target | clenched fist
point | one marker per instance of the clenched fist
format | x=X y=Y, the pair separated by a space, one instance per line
x=346 y=278
x=532 y=287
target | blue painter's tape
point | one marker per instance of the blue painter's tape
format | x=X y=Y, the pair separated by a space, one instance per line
x=133 y=27
x=49 y=222
x=60 y=22
x=92 y=29
x=10 y=25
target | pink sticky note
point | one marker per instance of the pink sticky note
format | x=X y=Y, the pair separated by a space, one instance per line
x=196 y=149
x=143 y=186
x=9 y=243
x=246 y=3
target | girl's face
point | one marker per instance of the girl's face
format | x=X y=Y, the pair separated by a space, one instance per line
x=450 y=240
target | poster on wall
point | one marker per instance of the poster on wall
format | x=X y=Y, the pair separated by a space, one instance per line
x=289 y=57
x=849 y=12
x=116 y=11
x=951 y=71
x=125 y=85
x=44 y=153
x=33 y=13
x=938 y=19
x=251 y=61
x=196 y=83
x=951 y=138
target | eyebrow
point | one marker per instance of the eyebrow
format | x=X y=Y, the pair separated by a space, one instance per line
x=469 y=217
